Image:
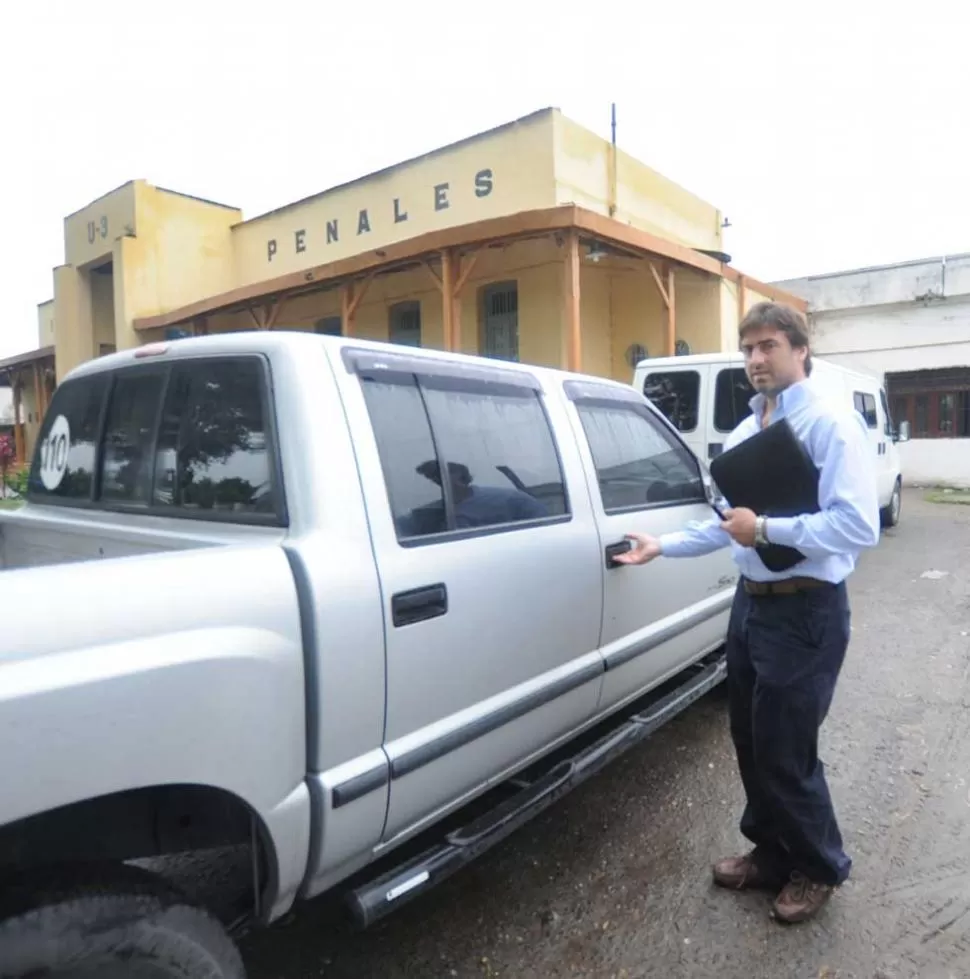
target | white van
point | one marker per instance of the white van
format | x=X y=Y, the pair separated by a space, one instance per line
x=705 y=396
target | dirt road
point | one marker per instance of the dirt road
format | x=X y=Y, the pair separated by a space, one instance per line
x=614 y=881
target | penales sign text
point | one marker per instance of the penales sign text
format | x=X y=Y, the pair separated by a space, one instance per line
x=339 y=229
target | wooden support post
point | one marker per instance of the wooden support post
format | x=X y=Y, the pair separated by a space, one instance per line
x=742 y=297
x=38 y=399
x=448 y=299
x=571 y=304
x=18 y=426
x=461 y=278
x=668 y=295
x=671 y=314
x=257 y=316
x=272 y=314
x=660 y=285
x=350 y=299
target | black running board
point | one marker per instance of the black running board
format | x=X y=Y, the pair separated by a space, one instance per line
x=378 y=898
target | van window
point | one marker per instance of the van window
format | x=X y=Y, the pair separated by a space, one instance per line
x=865 y=404
x=496 y=446
x=732 y=392
x=888 y=427
x=677 y=395
x=65 y=458
x=638 y=463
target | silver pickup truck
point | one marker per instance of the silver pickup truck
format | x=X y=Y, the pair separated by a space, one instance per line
x=327 y=600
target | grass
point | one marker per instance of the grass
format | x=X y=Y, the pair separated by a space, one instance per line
x=949 y=496
x=10 y=504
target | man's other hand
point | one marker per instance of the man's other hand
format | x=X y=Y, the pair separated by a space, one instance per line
x=740 y=525
x=645 y=548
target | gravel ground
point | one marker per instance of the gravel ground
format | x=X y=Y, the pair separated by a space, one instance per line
x=614 y=881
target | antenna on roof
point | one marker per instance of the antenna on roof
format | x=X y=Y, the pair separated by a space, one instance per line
x=612 y=160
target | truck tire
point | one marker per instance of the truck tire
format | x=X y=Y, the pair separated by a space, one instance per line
x=121 y=923
x=889 y=514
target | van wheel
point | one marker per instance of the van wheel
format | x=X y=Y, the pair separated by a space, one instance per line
x=889 y=515
x=123 y=923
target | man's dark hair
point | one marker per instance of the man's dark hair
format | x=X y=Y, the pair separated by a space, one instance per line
x=784 y=319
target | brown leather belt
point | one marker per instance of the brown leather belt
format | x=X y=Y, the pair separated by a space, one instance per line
x=789 y=586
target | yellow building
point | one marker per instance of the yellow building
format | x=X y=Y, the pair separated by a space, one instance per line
x=536 y=241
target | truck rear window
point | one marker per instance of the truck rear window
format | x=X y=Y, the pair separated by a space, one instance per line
x=66 y=455
x=188 y=438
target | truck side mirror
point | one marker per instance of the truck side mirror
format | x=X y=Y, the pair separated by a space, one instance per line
x=903 y=434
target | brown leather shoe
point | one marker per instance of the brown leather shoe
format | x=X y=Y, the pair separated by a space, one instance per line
x=742 y=873
x=801 y=899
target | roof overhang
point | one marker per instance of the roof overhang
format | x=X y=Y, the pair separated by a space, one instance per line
x=525 y=224
x=13 y=364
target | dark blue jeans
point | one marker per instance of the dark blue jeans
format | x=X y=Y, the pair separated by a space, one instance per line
x=784 y=654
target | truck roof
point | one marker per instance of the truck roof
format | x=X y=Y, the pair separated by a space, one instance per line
x=294 y=341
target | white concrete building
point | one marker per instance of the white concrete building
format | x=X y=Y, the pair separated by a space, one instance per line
x=910 y=324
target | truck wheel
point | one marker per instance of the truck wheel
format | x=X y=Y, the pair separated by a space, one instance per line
x=889 y=514
x=120 y=924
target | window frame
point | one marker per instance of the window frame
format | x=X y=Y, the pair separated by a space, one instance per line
x=440 y=374
x=394 y=312
x=94 y=503
x=485 y=294
x=860 y=404
x=594 y=394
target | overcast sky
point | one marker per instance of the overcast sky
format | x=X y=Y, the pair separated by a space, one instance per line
x=832 y=135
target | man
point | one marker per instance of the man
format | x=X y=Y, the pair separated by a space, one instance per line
x=789 y=630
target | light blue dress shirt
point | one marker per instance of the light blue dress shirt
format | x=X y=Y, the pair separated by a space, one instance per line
x=848 y=519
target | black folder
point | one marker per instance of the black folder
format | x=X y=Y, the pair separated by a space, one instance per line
x=773 y=474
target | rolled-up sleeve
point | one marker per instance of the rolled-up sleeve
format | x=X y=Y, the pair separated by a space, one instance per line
x=848 y=518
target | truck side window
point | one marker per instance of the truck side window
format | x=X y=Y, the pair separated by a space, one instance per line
x=403 y=434
x=677 y=395
x=500 y=448
x=126 y=462
x=66 y=453
x=732 y=392
x=212 y=451
x=638 y=464
x=495 y=445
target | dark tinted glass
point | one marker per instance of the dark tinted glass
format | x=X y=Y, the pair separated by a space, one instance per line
x=676 y=394
x=212 y=451
x=65 y=457
x=500 y=452
x=732 y=392
x=127 y=463
x=638 y=464
x=888 y=421
x=404 y=442
x=865 y=404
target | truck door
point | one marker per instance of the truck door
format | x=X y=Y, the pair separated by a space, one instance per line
x=490 y=567
x=680 y=394
x=660 y=617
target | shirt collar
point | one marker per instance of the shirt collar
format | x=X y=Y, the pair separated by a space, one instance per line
x=793 y=396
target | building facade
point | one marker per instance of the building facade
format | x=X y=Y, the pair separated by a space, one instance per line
x=910 y=324
x=536 y=241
